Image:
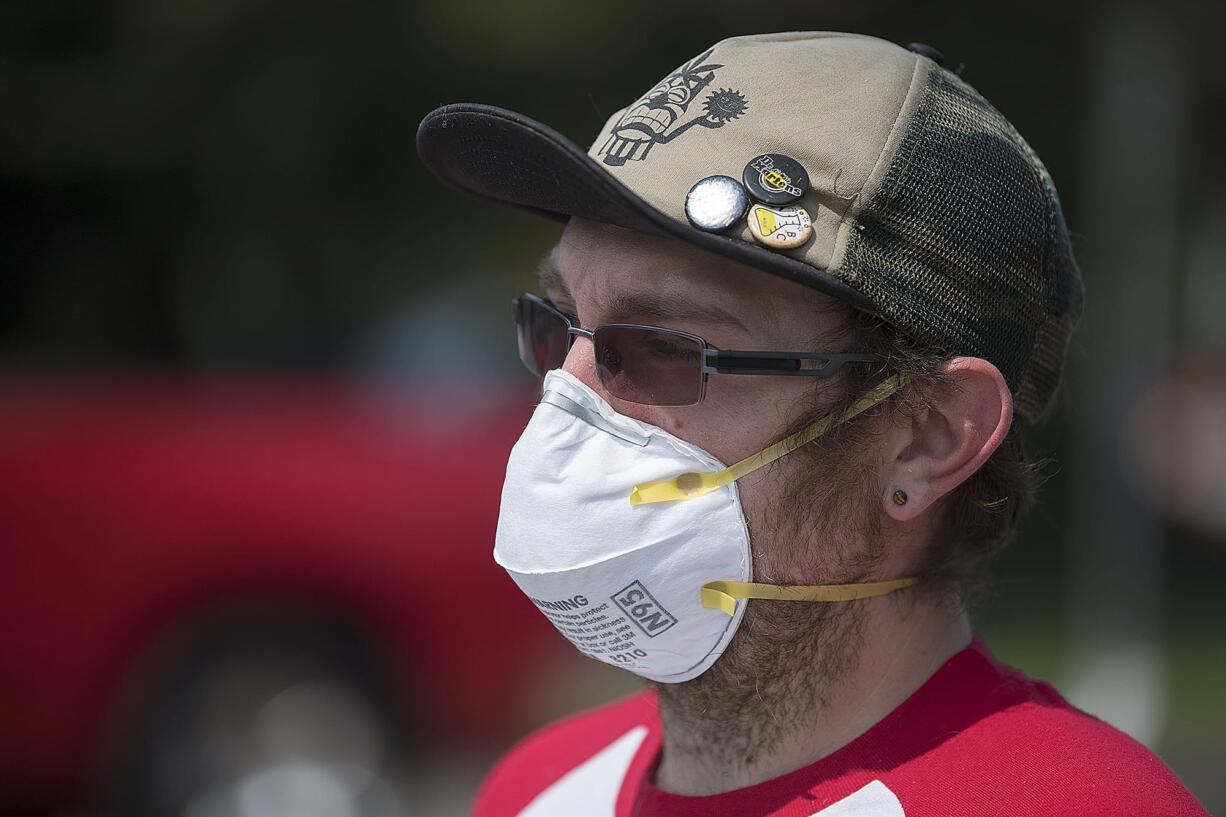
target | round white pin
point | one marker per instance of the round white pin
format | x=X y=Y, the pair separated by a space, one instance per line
x=716 y=203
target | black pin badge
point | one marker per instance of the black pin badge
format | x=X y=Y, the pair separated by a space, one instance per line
x=773 y=178
x=716 y=203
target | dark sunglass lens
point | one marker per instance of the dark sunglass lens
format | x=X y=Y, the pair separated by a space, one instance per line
x=542 y=335
x=650 y=366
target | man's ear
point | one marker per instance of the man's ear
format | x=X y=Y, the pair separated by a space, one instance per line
x=938 y=449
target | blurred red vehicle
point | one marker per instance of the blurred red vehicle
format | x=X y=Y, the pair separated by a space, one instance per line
x=173 y=549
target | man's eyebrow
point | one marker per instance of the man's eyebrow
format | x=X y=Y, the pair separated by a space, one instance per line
x=550 y=277
x=646 y=306
x=641 y=306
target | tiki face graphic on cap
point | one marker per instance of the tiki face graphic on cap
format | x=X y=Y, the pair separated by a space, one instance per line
x=659 y=116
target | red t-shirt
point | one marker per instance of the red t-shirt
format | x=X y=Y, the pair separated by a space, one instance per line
x=978 y=738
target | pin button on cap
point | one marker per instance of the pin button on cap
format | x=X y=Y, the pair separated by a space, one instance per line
x=773 y=178
x=780 y=228
x=716 y=203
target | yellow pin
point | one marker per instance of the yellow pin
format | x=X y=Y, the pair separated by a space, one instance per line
x=780 y=227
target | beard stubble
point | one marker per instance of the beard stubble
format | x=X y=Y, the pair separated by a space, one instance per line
x=773 y=677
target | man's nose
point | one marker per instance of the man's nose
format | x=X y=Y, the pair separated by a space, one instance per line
x=581 y=362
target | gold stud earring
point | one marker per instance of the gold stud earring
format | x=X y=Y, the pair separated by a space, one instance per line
x=900 y=497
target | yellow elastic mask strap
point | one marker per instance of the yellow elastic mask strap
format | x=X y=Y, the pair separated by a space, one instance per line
x=688 y=486
x=723 y=595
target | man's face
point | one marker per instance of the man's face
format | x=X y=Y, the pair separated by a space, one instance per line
x=813 y=516
x=602 y=274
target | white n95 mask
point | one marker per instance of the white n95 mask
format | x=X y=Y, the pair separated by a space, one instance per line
x=632 y=541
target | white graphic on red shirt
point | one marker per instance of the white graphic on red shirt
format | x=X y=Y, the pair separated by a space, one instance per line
x=591 y=788
x=874 y=800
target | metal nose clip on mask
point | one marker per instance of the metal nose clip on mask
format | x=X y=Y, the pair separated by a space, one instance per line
x=633 y=541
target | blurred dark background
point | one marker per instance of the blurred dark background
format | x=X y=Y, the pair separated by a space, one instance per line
x=232 y=300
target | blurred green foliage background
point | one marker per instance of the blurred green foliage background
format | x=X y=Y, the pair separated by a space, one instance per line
x=196 y=186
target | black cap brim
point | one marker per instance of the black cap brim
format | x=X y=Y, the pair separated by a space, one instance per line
x=504 y=156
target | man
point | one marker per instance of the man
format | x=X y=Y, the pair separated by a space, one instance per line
x=804 y=286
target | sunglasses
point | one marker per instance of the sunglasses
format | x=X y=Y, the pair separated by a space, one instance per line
x=652 y=365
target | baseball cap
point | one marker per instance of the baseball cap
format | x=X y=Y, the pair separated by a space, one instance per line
x=927 y=207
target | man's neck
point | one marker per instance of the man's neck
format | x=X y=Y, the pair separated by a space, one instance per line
x=731 y=732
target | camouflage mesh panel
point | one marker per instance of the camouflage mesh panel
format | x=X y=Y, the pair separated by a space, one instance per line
x=964 y=247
